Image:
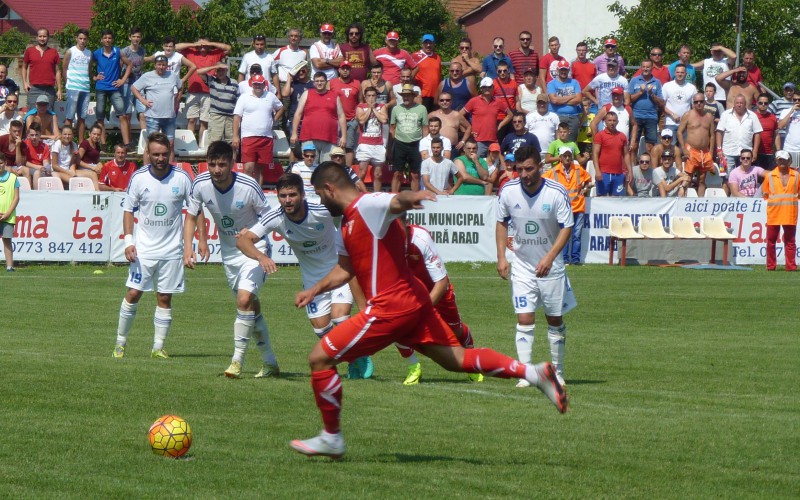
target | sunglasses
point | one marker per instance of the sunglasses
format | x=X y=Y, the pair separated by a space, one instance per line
x=527 y=39
x=498 y=46
x=795 y=100
x=309 y=155
x=763 y=103
x=465 y=47
x=644 y=162
x=259 y=37
x=444 y=100
x=354 y=33
x=611 y=46
x=502 y=71
x=745 y=158
x=11 y=102
x=698 y=102
x=656 y=54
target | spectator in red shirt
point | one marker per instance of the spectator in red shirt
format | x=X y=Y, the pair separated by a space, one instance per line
x=769 y=125
x=583 y=70
x=37 y=155
x=610 y=159
x=357 y=53
x=203 y=53
x=548 y=64
x=524 y=57
x=393 y=58
x=753 y=71
x=116 y=173
x=660 y=71
x=505 y=89
x=427 y=71
x=484 y=109
x=349 y=91
x=40 y=75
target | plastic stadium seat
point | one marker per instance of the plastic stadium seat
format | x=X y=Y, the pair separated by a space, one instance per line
x=50 y=184
x=716 y=193
x=683 y=227
x=620 y=228
x=24 y=184
x=186 y=144
x=181 y=121
x=280 y=144
x=238 y=167
x=714 y=228
x=187 y=167
x=80 y=184
x=691 y=193
x=202 y=167
x=650 y=227
x=142 y=142
x=204 y=140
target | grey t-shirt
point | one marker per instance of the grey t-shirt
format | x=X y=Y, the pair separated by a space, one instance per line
x=161 y=90
x=136 y=59
x=643 y=183
x=670 y=175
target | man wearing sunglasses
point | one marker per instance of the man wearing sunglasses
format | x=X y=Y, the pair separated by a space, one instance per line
x=8 y=113
x=790 y=121
x=491 y=62
x=698 y=126
x=357 y=53
x=524 y=57
x=769 y=129
x=609 y=54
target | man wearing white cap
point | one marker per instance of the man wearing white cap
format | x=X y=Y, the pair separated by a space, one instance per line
x=577 y=181
x=781 y=188
x=325 y=53
x=393 y=58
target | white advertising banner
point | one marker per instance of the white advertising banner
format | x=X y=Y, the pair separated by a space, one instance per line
x=87 y=227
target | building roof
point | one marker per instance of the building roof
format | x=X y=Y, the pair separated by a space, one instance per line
x=462 y=8
x=39 y=13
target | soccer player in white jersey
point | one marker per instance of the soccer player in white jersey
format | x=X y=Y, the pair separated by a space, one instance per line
x=236 y=202
x=540 y=211
x=159 y=191
x=310 y=230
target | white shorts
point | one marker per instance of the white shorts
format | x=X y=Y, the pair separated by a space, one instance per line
x=321 y=305
x=528 y=293
x=244 y=273
x=198 y=105
x=372 y=153
x=170 y=274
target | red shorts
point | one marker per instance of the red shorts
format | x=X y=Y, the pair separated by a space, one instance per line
x=374 y=329
x=257 y=150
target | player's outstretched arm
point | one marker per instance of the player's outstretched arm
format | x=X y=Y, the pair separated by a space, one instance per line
x=341 y=273
x=409 y=200
x=246 y=243
x=501 y=240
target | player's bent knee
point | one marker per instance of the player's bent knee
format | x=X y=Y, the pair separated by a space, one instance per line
x=319 y=360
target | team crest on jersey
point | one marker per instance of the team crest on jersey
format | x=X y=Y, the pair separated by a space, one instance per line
x=320 y=226
x=175 y=190
x=546 y=207
x=239 y=205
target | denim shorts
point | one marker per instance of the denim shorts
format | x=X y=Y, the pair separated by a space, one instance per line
x=131 y=100
x=117 y=101
x=165 y=125
x=77 y=103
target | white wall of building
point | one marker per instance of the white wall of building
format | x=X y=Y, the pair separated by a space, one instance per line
x=575 y=20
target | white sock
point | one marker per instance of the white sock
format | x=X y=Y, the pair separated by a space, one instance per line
x=524 y=341
x=320 y=332
x=261 y=334
x=242 y=329
x=127 y=313
x=334 y=439
x=340 y=319
x=531 y=375
x=556 y=335
x=162 y=321
x=412 y=360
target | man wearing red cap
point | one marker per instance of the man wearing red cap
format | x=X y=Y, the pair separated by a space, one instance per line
x=325 y=53
x=253 y=116
x=349 y=92
x=610 y=54
x=393 y=58
x=565 y=99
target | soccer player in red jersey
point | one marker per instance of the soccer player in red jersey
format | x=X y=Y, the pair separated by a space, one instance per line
x=399 y=308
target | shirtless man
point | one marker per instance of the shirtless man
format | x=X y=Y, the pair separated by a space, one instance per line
x=453 y=122
x=736 y=86
x=699 y=144
x=667 y=145
x=471 y=64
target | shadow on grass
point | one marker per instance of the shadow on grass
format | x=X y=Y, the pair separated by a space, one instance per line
x=405 y=458
x=221 y=356
x=583 y=382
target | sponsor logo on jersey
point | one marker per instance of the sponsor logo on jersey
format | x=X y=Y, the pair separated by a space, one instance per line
x=531 y=227
x=160 y=210
x=309 y=244
x=239 y=205
x=320 y=226
x=175 y=190
x=226 y=222
x=546 y=207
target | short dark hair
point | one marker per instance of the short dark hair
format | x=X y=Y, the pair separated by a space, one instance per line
x=435 y=119
x=764 y=94
x=35 y=126
x=466 y=40
x=169 y=39
x=371 y=88
x=220 y=150
x=332 y=173
x=106 y=32
x=582 y=44
x=319 y=74
x=158 y=138
x=563 y=126
x=82 y=31
x=437 y=140
x=527 y=152
x=289 y=180
x=710 y=84
x=135 y=30
x=745 y=150
x=15 y=124
x=679 y=65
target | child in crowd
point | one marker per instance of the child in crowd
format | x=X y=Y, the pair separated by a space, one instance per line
x=494 y=162
x=585 y=132
x=9 y=199
x=37 y=154
x=63 y=155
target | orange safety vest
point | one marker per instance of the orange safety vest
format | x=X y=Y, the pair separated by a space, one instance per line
x=781 y=200
x=574 y=184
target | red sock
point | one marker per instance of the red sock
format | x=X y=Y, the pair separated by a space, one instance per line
x=467 y=342
x=327 y=388
x=492 y=363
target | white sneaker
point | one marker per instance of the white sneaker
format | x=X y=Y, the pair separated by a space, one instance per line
x=523 y=383
x=549 y=385
x=324 y=445
x=560 y=378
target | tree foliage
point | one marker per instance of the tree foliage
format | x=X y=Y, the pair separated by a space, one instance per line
x=411 y=18
x=771 y=27
x=12 y=42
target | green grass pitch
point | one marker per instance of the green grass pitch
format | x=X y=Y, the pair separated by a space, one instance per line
x=681 y=384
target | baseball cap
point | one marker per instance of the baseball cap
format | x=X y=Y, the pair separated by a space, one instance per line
x=255 y=68
x=617 y=91
x=257 y=79
x=487 y=82
x=564 y=150
x=42 y=99
x=563 y=64
x=529 y=70
x=337 y=151
x=612 y=62
x=667 y=154
x=783 y=155
x=408 y=89
x=427 y=37
x=326 y=28
x=789 y=85
x=393 y=35
x=346 y=64
x=161 y=58
x=610 y=41
x=666 y=132
x=494 y=147
x=510 y=157
x=309 y=146
x=541 y=98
